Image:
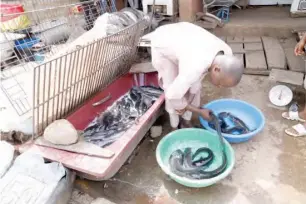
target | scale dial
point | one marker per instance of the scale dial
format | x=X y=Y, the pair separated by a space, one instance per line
x=280 y=95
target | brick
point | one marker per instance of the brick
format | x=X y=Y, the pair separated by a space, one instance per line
x=251 y=39
x=240 y=57
x=276 y=58
x=275 y=53
x=236 y=39
x=236 y=47
x=253 y=46
x=289 y=43
x=295 y=63
x=270 y=43
x=286 y=76
x=255 y=60
x=263 y=72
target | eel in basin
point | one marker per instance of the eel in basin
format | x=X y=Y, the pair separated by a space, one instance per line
x=185 y=164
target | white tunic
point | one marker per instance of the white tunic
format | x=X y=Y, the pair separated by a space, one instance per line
x=182 y=53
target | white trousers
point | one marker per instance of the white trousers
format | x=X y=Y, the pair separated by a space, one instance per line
x=167 y=72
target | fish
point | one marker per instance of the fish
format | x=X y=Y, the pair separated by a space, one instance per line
x=231 y=124
x=110 y=125
x=182 y=164
x=185 y=164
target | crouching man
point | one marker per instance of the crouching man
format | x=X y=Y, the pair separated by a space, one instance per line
x=183 y=54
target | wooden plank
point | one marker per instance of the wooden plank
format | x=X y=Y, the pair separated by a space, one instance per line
x=80 y=147
x=255 y=60
x=252 y=39
x=286 y=76
x=253 y=46
x=295 y=63
x=274 y=53
x=237 y=47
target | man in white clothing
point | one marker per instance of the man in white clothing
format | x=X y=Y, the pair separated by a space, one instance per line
x=182 y=54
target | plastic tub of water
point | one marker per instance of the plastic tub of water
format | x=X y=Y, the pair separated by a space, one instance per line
x=194 y=138
x=248 y=113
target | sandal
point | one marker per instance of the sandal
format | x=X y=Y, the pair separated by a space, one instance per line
x=292 y=115
x=298 y=130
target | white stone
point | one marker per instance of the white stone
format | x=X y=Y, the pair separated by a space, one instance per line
x=156 y=131
x=61 y=132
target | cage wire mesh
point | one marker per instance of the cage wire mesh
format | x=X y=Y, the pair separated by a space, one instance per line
x=32 y=31
x=75 y=69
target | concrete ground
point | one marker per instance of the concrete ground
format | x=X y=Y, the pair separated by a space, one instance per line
x=269 y=169
x=274 y=21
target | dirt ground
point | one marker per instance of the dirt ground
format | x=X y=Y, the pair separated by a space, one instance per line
x=269 y=169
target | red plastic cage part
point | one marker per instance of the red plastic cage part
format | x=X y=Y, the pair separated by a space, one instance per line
x=16 y=9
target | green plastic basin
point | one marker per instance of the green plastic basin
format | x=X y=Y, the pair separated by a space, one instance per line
x=194 y=138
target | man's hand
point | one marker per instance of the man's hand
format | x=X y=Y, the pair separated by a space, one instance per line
x=180 y=112
x=300 y=46
x=205 y=114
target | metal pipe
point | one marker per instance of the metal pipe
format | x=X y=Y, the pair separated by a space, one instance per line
x=152 y=15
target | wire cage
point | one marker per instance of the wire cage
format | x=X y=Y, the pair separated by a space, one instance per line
x=32 y=30
x=63 y=83
x=51 y=43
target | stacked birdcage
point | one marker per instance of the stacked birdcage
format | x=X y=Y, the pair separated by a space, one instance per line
x=60 y=54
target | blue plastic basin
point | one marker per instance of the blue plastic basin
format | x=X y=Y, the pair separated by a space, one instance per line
x=248 y=113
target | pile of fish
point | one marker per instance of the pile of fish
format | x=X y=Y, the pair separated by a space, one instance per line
x=186 y=165
x=109 y=125
x=230 y=124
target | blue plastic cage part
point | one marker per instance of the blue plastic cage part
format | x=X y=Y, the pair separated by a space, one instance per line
x=223 y=14
x=26 y=43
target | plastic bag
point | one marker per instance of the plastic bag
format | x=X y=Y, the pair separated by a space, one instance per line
x=6 y=157
x=31 y=181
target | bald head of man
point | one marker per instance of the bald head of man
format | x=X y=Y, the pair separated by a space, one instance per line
x=226 y=71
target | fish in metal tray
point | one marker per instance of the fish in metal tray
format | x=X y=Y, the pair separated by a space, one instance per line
x=231 y=124
x=110 y=125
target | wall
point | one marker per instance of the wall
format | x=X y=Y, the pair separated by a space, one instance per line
x=269 y=2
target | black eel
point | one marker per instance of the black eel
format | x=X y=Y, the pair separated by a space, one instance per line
x=237 y=126
x=182 y=164
x=113 y=122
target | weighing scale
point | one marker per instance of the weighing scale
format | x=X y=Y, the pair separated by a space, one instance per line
x=280 y=95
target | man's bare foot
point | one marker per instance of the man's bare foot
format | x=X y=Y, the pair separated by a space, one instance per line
x=186 y=124
x=174 y=129
x=301 y=116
